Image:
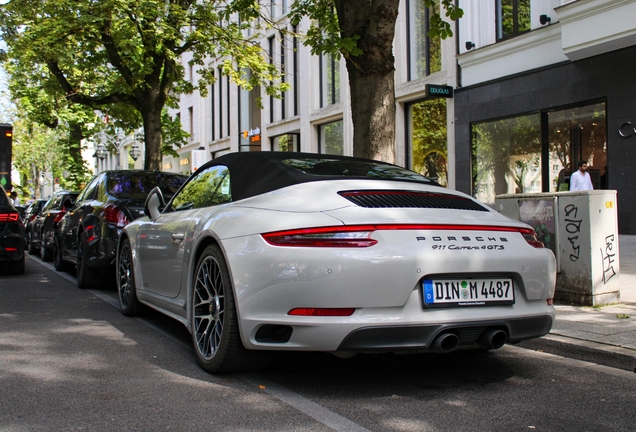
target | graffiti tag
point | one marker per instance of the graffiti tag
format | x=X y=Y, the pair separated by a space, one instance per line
x=608 y=259
x=573 y=226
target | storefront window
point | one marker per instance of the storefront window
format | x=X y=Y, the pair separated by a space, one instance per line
x=506 y=157
x=424 y=52
x=331 y=138
x=578 y=134
x=429 y=149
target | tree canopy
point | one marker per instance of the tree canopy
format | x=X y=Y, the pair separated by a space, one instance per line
x=124 y=57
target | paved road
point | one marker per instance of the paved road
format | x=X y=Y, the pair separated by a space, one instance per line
x=70 y=361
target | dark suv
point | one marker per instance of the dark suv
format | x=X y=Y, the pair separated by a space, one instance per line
x=11 y=236
x=42 y=228
x=87 y=234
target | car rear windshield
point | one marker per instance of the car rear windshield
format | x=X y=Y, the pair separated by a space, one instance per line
x=346 y=168
x=140 y=184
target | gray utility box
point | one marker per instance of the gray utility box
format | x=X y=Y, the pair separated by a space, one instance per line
x=581 y=229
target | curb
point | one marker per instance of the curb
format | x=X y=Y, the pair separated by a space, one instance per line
x=607 y=355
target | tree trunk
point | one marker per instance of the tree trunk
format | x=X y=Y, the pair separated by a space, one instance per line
x=77 y=169
x=373 y=114
x=153 y=139
x=371 y=75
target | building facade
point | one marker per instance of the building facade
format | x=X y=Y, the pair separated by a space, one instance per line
x=314 y=114
x=538 y=86
x=545 y=84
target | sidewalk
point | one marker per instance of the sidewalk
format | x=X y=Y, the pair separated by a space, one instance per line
x=604 y=335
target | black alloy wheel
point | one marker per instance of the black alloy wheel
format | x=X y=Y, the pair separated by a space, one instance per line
x=126 y=288
x=45 y=253
x=30 y=245
x=58 y=259
x=215 y=331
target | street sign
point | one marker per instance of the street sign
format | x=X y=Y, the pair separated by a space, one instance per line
x=438 y=91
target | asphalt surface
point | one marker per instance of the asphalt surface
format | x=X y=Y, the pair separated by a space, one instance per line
x=70 y=361
x=605 y=335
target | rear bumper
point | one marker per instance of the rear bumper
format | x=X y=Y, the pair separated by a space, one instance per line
x=421 y=337
x=12 y=248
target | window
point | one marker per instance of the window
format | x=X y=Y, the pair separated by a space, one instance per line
x=208 y=188
x=213 y=113
x=283 y=72
x=286 y=143
x=329 y=80
x=538 y=152
x=507 y=157
x=220 y=102
x=331 y=139
x=138 y=184
x=578 y=134
x=513 y=18
x=424 y=53
x=249 y=118
x=345 y=168
x=90 y=190
x=295 y=60
x=191 y=118
x=270 y=43
x=428 y=140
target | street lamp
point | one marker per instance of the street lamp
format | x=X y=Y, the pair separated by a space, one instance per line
x=135 y=151
x=113 y=143
x=101 y=151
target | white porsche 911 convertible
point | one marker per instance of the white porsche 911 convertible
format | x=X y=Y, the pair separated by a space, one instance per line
x=266 y=251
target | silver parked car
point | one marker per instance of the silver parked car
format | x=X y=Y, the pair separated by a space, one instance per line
x=267 y=251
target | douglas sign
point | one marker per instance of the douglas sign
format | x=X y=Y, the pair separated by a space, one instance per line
x=437 y=91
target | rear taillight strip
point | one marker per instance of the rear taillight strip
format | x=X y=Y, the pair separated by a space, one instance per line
x=360 y=235
x=9 y=217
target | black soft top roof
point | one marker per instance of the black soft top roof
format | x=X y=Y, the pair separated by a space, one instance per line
x=255 y=173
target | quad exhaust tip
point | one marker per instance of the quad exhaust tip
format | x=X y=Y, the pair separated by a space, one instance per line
x=493 y=339
x=445 y=343
x=489 y=339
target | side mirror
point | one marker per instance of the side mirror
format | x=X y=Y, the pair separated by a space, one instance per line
x=154 y=204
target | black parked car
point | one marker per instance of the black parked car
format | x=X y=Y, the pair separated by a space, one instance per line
x=32 y=211
x=87 y=234
x=42 y=229
x=11 y=236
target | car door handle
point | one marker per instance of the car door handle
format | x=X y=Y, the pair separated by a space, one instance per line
x=178 y=237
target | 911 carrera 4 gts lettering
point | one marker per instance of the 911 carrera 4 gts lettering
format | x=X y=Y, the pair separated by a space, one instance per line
x=457 y=247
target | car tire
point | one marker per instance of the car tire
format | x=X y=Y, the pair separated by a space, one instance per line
x=58 y=260
x=30 y=246
x=214 y=322
x=45 y=253
x=86 y=277
x=126 y=287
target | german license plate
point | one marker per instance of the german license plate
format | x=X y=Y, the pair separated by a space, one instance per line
x=468 y=292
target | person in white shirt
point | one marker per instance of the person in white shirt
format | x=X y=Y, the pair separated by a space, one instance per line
x=581 y=179
x=15 y=199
